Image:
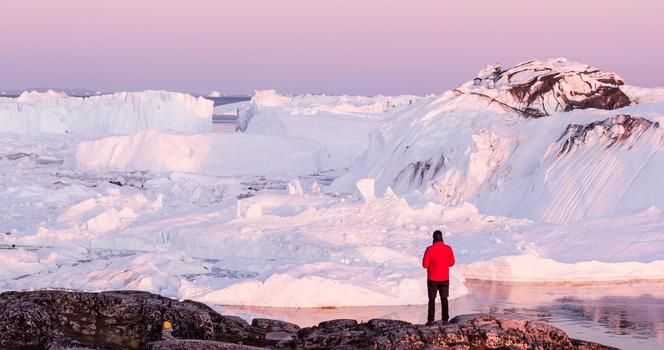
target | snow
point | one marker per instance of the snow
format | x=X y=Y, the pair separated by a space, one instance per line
x=118 y=113
x=331 y=200
x=644 y=95
x=279 y=249
x=366 y=188
x=312 y=105
x=461 y=149
x=338 y=124
x=295 y=187
x=32 y=96
x=232 y=108
x=506 y=268
x=209 y=154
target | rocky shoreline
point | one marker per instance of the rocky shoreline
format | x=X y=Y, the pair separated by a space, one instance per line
x=133 y=320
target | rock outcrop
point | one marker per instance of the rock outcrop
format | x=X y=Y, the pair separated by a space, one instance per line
x=114 y=320
x=133 y=320
x=537 y=89
x=463 y=332
x=613 y=131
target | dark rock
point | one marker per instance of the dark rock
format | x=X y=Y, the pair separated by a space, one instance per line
x=274 y=325
x=444 y=335
x=379 y=323
x=617 y=130
x=464 y=332
x=274 y=332
x=115 y=320
x=407 y=337
x=331 y=334
x=537 y=89
x=497 y=332
x=341 y=323
x=281 y=338
x=415 y=173
x=26 y=324
x=133 y=320
x=197 y=345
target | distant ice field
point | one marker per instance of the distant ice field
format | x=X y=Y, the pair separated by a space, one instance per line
x=330 y=201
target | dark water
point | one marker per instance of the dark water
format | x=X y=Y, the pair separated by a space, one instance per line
x=627 y=316
x=224 y=100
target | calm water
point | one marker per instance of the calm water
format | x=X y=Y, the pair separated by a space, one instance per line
x=627 y=316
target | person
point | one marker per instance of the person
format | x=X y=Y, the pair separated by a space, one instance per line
x=438 y=258
x=167 y=331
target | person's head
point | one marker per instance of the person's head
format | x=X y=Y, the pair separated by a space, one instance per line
x=437 y=236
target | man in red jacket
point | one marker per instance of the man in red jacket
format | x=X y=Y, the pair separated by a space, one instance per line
x=438 y=258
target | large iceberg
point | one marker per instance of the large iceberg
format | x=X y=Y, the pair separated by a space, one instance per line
x=546 y=140
x=211 y=154
x=338 y=124
x=118 y=113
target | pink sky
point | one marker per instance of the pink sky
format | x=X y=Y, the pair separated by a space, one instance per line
x=334 y=46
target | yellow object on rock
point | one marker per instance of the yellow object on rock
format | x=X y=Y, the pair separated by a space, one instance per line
x=167 y=325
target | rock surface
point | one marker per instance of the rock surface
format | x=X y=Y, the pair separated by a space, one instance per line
x=463 y=332
x=613 y=131
x=132 y=320
x=197 y=345
x=116 y=320
x=539 y=88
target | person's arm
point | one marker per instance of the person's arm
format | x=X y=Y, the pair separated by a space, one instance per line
x=452 y=261
x=425 y=259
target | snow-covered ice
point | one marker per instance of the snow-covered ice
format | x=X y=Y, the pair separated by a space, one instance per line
x=210 y=154
x=338 y=124
x=253 y=217
x=119 y=113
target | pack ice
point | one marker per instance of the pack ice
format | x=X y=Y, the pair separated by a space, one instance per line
x=543 y=172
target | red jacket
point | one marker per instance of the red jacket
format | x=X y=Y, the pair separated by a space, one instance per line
x=437 y=260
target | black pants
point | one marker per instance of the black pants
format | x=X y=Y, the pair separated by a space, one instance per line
x=442 y=287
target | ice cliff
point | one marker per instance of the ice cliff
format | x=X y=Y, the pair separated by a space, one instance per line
x=118 y=113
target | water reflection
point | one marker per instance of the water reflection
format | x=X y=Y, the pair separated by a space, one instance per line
x=627 y=315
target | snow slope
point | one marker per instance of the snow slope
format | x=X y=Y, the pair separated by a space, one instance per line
x=118 y=113
x=478 y=144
